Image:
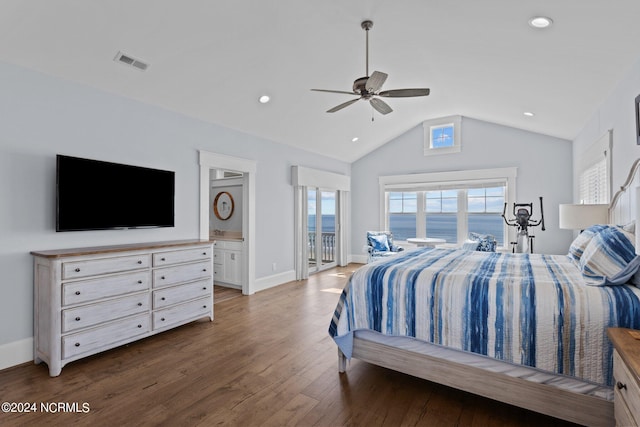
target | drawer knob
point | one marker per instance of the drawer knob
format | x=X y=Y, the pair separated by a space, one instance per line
x=162 y=319
x=162 y=277
x=204 y=269
x=162 y=299
x=139 y=304
x=621 y=385
x=139 y=261
x=204 y=253
x=77 y=344
x=139 y=326
x=163 y=259
x=204 y=288
x=77 y=270
x=78 y=319
x=77 y=292
x=140 y=282
x=204 y=306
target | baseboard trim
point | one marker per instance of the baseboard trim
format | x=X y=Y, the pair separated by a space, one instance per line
x=274 y=280
x=16 y=353
x=359 y=259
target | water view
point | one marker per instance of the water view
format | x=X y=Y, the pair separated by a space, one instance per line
x=439 y=226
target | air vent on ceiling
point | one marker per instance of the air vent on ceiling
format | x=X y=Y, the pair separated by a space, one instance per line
x=129 y=60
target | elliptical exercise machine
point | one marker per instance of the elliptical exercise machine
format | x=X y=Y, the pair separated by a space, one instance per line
x=523 y=213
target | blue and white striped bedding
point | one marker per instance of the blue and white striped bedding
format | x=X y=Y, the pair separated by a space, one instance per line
x=534 y=310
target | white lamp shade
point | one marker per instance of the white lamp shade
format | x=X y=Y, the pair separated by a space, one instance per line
x=579 y=217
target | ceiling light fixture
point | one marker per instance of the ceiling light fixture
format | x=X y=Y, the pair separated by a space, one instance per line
x=264 y=99
x=540 y=22
x=528 y=114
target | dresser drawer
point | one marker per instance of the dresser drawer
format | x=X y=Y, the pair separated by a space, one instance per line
x=104 y=337
x=182 y=273
x=93 y=314
x=627 y=390
x=185 y=255
x=76 y=269
x=93 y=289
x=179 y=294
x=183 y=312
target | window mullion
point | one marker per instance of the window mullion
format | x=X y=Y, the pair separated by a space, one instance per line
x=463 y=223
x=421 y=215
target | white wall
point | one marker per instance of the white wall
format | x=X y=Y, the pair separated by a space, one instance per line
x=543 y=162
x=617 y=112
x=42 y=116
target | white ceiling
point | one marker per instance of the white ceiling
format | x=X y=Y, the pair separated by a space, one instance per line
x=213 y=59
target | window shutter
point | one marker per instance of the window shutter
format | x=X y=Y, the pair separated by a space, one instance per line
x=594 y=172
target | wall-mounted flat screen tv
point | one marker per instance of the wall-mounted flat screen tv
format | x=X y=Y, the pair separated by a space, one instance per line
x=98 y=195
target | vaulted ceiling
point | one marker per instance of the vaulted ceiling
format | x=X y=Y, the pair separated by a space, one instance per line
x=212 y=60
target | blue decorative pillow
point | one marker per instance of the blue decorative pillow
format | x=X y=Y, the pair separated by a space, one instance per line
x=486 y=242
x=608 y=256
x=379 y=242
x=580 y=243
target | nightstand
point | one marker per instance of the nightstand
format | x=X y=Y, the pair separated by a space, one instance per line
x=626 y=373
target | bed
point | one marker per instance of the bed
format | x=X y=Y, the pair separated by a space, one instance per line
x=525 y=329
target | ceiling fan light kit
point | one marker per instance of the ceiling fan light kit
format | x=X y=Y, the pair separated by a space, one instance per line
x=368 y=87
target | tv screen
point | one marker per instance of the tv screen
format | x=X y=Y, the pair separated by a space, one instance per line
x=97 y=195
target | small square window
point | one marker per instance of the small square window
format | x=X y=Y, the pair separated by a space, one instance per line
x=442 y=136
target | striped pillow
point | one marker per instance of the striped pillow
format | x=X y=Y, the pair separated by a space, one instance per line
x=607 y=254
x=580 y=243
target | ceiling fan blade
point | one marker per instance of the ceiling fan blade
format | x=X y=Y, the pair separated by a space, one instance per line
x=336 y=91
x=403 y=93
x=381 y=106
x=343 y=105
x=375 y=81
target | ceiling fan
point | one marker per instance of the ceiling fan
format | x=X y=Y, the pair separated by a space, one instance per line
x=368 y=87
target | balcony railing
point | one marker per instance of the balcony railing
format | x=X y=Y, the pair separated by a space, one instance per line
x=328 y=247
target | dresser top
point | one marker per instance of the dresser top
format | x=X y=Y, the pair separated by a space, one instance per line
x=61 y=253
x=628 y=348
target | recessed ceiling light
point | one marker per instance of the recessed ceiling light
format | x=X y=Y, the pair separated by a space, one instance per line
x=540 y=22
x=264 y=99
x=354 y=139
x=528 y=114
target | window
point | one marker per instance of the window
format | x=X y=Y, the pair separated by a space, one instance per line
x=594 y=184
x=442 y=214
x=403 y=208
x=442 y=136
x=593 y=169
x=448 y=205
x=484 y=208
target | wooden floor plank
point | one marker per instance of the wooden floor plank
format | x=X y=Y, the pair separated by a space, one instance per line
x=266 y=359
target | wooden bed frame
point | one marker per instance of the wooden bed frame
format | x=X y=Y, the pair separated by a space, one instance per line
x=542 y=398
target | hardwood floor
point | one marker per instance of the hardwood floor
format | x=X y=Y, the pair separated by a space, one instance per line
x=266 y=360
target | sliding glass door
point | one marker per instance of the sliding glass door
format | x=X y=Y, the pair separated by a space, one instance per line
x=321 y=229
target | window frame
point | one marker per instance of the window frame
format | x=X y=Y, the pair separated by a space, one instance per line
x=589 y=165
x=432 y=180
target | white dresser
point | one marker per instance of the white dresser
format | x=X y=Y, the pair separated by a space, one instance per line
x=88 y=300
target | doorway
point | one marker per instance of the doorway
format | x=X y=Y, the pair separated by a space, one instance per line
x=247 y=167
x=321 y=229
